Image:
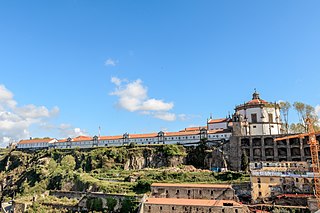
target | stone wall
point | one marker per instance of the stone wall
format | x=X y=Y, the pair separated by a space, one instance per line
x=166 y=208
x=193 y=193
x=264 y=148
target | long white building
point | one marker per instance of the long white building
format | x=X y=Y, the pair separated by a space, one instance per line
x=187 y=137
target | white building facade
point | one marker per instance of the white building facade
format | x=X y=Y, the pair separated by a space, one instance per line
x=257 y=117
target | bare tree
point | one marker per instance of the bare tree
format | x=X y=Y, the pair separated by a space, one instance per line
x=306 y=111
x=284 y=108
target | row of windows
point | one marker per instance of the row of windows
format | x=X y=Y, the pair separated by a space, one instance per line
x=187 y=209
x=254 y=117
x=33 y=144
x=121 y=140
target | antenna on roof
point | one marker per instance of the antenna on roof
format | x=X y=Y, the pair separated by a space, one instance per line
x=211 y=115
x=99 y=131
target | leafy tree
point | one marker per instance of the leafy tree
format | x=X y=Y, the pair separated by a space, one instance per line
x=68 y=163
x=143 y=186
x=173 y=150
x=94 y=204
x=52 y=166
x=111 y=203
x=128 y=206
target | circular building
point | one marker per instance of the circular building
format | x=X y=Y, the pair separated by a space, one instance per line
x=257 y=117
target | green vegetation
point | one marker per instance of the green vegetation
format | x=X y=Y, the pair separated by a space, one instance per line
x=111 y=203
x=173 y=150
x=128 y=206
x=94 y=204
x=100 y=170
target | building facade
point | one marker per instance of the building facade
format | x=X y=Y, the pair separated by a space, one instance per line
x=271 y=179
x=193 y=191
x=174 y=205
x=187 y=137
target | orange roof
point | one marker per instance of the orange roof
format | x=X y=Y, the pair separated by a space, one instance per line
x=62 y=140
x=147 y=135
x=190 y=202
x=193 y=129
x=115 y=137
x=256 y=101
x=192 y=185
x=220 y=120
x=181 y=133
x=35 y=141
x=82 y=138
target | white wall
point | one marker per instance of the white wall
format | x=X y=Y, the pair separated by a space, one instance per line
x=221 y=125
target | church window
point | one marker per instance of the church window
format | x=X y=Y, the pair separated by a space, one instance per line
x=254 y=117
x=270 y=116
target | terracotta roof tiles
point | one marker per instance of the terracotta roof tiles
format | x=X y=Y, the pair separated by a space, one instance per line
x=35 y=141
x=191 y=185
x=190 y=202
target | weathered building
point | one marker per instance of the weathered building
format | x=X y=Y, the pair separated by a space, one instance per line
x=174 y=205
x=193 y=191
x=272 y=179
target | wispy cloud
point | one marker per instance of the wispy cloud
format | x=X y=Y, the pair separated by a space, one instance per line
x=133 y=96
x=110 y=62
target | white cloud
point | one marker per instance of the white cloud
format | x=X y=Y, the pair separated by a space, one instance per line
x=167 y=116
x=111 y=62
x=6 y=98
x=133 y=96
x=67 y=130
x=156 y=105
x=116 y=81
x=15 y=120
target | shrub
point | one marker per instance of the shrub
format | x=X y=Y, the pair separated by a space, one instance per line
x=94 y=204
x=111 y=203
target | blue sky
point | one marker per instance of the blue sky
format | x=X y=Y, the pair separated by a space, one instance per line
x=172 y=62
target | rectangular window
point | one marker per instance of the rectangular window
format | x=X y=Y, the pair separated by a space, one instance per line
x=254 y=117
x=270 y=116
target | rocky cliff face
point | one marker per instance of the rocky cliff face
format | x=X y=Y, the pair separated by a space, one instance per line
x=150 y=159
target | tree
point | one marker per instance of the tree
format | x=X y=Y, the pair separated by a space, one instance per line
x=284 y=109
x=52 y=166
x=296 y=128
x=128 y=206
x=244 y=162
x=68 y=163
x=305 y=111
x=94 y=204
x=111 y=203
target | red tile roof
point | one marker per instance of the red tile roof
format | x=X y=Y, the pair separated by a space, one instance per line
x=147 y=135
x=82 y=138
x=190 y=202
x=115 y=137
x=35 y=141
x=256 y=101
x=193 y=129
x=191 y=185
x=220 y=120
x=181 y=133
